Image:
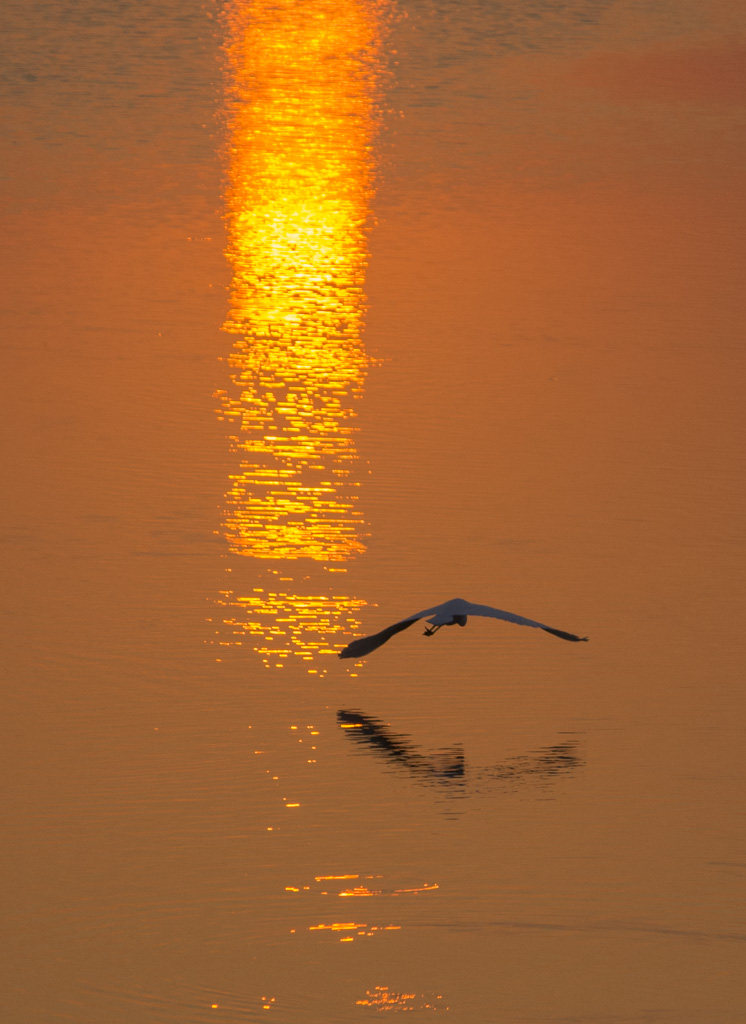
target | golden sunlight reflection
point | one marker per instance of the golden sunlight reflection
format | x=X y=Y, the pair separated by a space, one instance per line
x=382 y=998
x=321 y=887
x=282 y=624
x=360 y=930
x=303 y=86
x=303 y=118
x=363 y=890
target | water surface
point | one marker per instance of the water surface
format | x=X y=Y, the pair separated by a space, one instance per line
x=318 y=315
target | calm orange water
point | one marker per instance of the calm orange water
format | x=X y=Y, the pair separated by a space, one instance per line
x=316 y=315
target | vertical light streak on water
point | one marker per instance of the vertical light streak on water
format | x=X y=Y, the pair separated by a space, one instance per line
x=303 y=85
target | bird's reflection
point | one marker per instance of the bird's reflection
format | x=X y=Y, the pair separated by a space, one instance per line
x=448 y=767
x=559 y=759
x=441 y=766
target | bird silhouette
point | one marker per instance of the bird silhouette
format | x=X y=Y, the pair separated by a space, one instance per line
x=450 y=613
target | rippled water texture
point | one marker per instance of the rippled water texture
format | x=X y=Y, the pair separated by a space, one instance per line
x=316 y=314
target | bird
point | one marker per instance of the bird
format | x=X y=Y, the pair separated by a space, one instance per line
x=450 y=613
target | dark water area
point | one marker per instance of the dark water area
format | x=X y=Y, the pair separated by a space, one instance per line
x=316 y=315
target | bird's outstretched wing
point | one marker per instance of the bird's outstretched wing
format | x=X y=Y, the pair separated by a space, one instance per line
x=441 y=615
x=466 y=608
x=365 y=644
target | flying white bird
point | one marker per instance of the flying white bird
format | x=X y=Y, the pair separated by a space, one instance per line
x=450 y=613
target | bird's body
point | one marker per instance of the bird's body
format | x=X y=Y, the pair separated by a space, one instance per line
x=450 y=613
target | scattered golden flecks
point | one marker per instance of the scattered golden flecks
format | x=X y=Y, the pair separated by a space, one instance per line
x=382 y=998
x=363 y=890
x=280 y=624
x=352 y=929
x=268 y=1002
x=338 y=926
x=361 y=930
